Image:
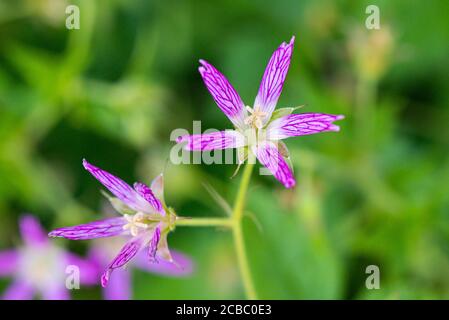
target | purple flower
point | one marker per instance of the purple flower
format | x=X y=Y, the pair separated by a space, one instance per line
x=259 y=129
x=146 y=221
x=39 y=267
x=119 y=286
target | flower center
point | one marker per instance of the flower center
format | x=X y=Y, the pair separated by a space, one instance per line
x=256 y=117
x=43 y=267
x=135 y=223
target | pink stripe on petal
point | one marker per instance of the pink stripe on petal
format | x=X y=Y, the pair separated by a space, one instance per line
x=97 y=229
x=130 y=249
x=148 y=195
x=9 y=260
x=227 y=99
x=269 y=155
x=118 y=187
x=273 y=78
x=213 y=141
x=31 y=231
x=302 y=124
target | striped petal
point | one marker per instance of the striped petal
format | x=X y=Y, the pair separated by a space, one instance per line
x=154 y=242
x=227 y=99
x=269 y=155
x=273 y=79
x=97 y=229
x=149 y=196
x=118 y=187
x=213 y=141
x=302 y=124
x=130 y=249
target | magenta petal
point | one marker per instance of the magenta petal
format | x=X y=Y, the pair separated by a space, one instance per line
x=19 y=290
x=302 y=124
x=89 y=268
x=118 y=187
x=148 y=195
x=8 y=262
x=273 y=78
x=213 y=141
x=227 y=99
x=182 y=265
x=31 y=231
x=152 y=248
x=119 y=286
x=130 y=249
x=269 y=155
x=56 y=293
x=97 y=229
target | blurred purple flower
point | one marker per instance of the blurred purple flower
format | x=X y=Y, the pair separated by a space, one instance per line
x=146 y=220
x=120 y=285
x=260 y=131
x=39 y=267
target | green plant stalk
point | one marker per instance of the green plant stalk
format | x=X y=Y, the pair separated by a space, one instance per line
x=237 y=218
x=204 y=222
x=235 y=223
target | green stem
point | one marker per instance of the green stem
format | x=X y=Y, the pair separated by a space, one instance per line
x=235 y=223
x=204 y=222
x=237 y=216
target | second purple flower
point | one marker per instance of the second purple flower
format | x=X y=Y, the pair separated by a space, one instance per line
x=146 y=221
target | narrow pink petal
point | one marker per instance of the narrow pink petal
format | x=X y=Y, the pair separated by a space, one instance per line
x=119 y=286
x=97 y=229
x=269 y=155
x=118 y=187
x=152 y=248
x=56 y=292
x=9 y=260
x=130 y=249
x=18 y=290
x=273 y=78
x=89 y=268
x=31 y=231
x=182 y=265
x=227 y=99
x=302 y=124
x=213 y=141
x=149 y=196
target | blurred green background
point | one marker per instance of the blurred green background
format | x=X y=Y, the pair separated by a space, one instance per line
x=111 y=92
